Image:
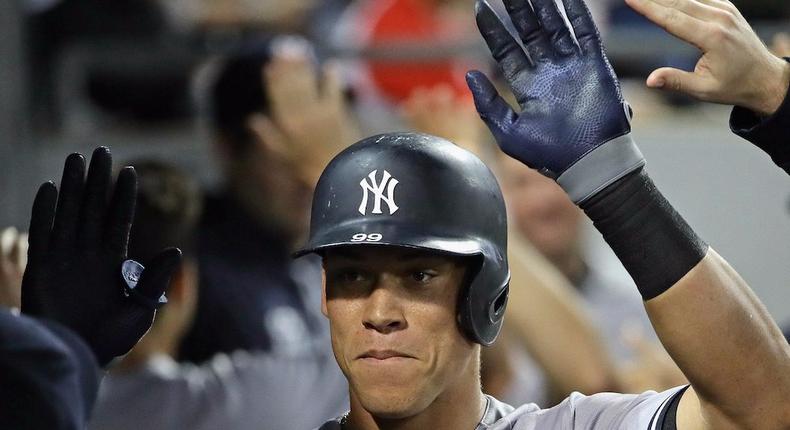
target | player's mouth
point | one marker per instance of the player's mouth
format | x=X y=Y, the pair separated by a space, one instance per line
x=376 y=355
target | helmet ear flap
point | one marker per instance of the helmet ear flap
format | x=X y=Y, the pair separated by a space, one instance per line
x=481 y=309
x=464 y=309
x=496 y=312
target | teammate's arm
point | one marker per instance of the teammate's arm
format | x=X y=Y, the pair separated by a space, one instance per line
x=240 y=391
x=574 y=127
x=736 y=68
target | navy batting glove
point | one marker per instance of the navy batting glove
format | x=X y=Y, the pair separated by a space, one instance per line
x=78 y=240
x=574 y=124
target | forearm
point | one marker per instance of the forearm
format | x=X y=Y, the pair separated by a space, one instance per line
x=726 y=343
x=713 y=326
x=549 y=318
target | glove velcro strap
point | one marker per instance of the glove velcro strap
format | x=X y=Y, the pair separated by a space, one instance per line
x=131 y=271
x=601 y=167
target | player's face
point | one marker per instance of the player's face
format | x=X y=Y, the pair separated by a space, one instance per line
x=392 y=313
x=540 y=209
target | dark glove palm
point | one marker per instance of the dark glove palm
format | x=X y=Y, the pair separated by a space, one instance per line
x=75 y=255
x=569 y=96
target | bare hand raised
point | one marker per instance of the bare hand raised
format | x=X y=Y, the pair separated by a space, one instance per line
x=736 y=68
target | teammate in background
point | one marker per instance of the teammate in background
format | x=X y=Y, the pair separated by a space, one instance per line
x=79 y=308
x=414 y=284
x=167 y=211
x=736 y=68
x=276 y=121
x=542 y=213
x=246 y=390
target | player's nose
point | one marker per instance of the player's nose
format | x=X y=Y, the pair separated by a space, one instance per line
x=383 y=309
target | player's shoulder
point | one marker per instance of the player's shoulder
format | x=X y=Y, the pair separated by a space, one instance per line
x=599 y=411
x=622 y=411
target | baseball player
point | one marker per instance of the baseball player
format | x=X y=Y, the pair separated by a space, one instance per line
x=412 y=232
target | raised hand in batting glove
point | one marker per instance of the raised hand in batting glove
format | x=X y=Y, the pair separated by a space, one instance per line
x=77 y=248
x=574 y=124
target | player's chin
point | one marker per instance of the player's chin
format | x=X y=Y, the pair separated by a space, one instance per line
x=392 y=404
x=396 y=389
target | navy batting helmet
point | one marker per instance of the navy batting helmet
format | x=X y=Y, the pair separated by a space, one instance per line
x=420 y=191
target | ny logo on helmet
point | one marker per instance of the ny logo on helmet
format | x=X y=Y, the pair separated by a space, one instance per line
x=369 y=184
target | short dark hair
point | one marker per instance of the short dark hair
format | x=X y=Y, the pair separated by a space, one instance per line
x=238 y=92
x=169 y=204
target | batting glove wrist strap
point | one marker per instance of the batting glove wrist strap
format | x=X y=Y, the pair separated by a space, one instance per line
x=600 y=168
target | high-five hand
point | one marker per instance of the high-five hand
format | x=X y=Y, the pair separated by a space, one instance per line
x=75 y=257
x=736 y=68
x=574 y=124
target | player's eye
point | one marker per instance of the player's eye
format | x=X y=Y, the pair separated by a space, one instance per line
x=348 y=276
x=423 y=276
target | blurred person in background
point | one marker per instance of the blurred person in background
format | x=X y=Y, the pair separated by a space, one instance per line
x=276 y=121
x=243 y=390
x=79 y=309
x=543 y=214
x=167 y=211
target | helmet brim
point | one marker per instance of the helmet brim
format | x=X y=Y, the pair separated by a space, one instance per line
x=391 y=234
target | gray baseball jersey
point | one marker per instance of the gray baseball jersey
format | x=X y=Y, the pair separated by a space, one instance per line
x=604 y=411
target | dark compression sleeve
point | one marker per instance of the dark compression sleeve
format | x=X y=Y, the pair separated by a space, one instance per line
x=650 y=238
x=771 y=134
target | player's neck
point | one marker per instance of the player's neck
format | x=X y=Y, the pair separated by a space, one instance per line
x=458 y=408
